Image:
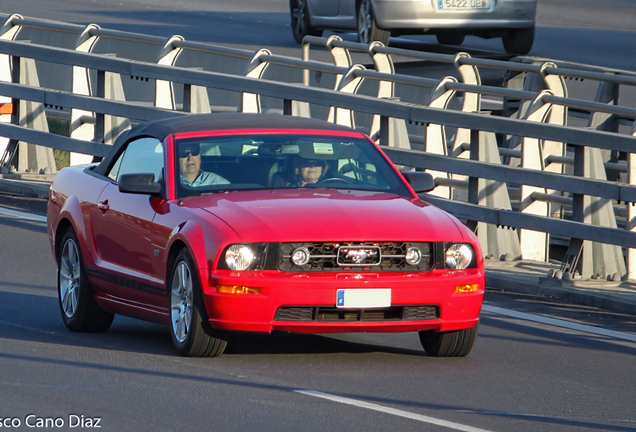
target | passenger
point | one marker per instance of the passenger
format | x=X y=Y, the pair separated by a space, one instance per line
x=190 y=168
x=305 y=171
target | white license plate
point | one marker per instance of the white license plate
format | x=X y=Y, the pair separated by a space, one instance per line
x=363 y=298
x=445 y=5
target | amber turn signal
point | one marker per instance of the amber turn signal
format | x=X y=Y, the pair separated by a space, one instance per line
x=229 y=289
x=466 y=288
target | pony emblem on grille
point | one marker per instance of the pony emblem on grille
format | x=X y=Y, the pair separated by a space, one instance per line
x=358 y=255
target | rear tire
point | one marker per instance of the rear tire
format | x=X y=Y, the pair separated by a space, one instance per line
x=301 y=26
x=449 y=344
x=518 y=41
x=450 y=38
x=368 y=31
x=76 y=298
x=187 y=312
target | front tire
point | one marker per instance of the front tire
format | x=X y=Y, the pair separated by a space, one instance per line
x=518 y=41
x=301 y=26
x=368 y=31
x=449 y=344
x=76 y=298
x=187 y=312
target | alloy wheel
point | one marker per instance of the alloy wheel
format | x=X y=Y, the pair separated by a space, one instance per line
x=181 y=302
x=298 y=16
x=365 y=21
x=69 y=278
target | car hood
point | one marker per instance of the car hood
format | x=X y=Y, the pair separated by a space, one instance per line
x=325 y=215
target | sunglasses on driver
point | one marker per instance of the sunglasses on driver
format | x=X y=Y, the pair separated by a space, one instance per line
x=189 y=151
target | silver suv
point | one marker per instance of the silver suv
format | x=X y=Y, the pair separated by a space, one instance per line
x=449 y=20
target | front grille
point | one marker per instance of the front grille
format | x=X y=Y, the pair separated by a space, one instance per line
x=356 y=256
x=332 y=314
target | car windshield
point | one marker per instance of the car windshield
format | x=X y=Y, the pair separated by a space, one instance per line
x=282 y=161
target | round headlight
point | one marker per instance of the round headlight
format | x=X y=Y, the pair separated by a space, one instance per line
x=300 y=256
x=413 y=256
x=459 y=256
x=239 y=257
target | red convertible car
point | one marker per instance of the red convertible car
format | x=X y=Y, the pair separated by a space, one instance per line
x=219 y=223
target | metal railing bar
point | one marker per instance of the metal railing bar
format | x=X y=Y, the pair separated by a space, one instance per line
x=396 y=78
x=456 y=183
x=59 y=142
x=127 y=36
x=510 y=218
x=492 y=91
x=132 y=110
x=597 y=76
x=214 y=49
x=503 y=173
x=362 y=103
x=300 y=64
x=40 y=24
x=551 y=198
x=592 y=106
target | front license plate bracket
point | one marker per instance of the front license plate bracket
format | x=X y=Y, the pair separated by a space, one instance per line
x=362 y=298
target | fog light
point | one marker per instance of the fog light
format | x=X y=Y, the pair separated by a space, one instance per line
x=300 y=256
x=413 y=256
x=466 y=288
x=229 y=289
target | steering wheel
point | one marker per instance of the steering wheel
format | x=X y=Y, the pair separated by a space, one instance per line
x=336 y=179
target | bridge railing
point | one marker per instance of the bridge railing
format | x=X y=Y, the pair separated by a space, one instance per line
x=480 y=171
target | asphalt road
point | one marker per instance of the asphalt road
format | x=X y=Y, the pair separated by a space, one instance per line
x=587 y=31
x=521 y=376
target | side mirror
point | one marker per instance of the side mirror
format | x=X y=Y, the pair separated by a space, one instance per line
x=139 y=184
x=420 y=181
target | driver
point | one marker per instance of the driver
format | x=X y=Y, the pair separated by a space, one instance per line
x=190 y=168
x=306 y=171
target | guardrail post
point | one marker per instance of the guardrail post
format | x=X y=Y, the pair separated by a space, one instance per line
x=164 y=90
x=592 y=259
x=436 y=134
x=497 y=242
x=399 y=135
x=195 y=99
x=536 y=82
x=100 y=92
x=251 y=103
x=599 y=258
x=32 y=158
x=349 y=83
x=558 y=116
x=79 y=128
x=9 y=32
x=114 y=90
x=607 y=93
x=341 y=58
x=10 y=151
x=472 y=101
x=534 y=244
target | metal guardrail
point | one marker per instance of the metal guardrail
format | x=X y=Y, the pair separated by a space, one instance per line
x=474 y=168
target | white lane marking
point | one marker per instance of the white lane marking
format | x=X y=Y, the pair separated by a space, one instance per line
x=393 y=411
x=560 y=323
x=22 y=215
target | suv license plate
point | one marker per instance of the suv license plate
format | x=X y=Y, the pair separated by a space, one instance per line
x=461 y=5
x=363 y=298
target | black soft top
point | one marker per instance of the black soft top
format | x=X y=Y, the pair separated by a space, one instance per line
x=160 y=129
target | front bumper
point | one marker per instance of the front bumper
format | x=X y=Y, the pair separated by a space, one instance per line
x=426 y=15
x=257 y=312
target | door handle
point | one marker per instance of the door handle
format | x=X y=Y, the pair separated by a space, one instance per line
x=103 y=206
